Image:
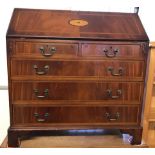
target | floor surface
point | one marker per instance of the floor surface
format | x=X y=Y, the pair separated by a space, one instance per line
x=80 y=139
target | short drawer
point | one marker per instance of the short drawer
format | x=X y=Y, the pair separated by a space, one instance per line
x=74 y=115
x=111 y=51
x=108 y=92
x=46 y=49
x=110 y=69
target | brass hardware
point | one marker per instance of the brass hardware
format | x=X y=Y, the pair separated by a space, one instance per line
x=110 y=118
x=109 y=94
x=113 y=73
x=113 y=51
x=39 y=119
x=47 y=51
x=41 y=96
x=41 y=72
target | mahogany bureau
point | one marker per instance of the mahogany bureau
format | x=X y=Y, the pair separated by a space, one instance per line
x=75 y=70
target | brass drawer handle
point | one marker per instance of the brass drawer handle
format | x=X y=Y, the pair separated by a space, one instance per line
x=39 y=118
x=36 y=92
x=110 y=118
x=113 y=73
x=41 y=72
x=47 y=51
x=109 y=94
x=108 y=53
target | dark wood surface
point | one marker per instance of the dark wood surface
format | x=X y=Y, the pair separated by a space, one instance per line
x=60 y=68
x=87 y=82
x=75 y=49
x=63 y=49
x=78 y=91
x=124 y=50
x=25 y=115
x=55 y=24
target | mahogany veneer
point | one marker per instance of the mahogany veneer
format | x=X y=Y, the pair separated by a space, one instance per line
x=75 y=70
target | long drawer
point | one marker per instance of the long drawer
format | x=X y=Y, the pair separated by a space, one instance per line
x=32 y=115
x=80 y=91
x=122 y=69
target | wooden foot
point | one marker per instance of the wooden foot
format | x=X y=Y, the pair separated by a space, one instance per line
x=13 y=139
x=136 y=135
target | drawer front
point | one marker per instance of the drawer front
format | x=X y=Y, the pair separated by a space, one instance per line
x=104 y=115
x=121 y=69
x=112 y=51
x=46 y=50
x=54 y=68
x=89 y=91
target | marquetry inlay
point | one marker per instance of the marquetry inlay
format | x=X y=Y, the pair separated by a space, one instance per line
x=78 y=22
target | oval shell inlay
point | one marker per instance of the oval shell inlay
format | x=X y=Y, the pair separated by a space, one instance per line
x=78 y=22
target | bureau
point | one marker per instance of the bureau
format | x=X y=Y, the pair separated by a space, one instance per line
x=75 y=70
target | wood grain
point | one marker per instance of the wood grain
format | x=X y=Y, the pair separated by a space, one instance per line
x=126 y=51
x=71 y=77
x=88 y=91
x=55 y=24
x=149 y=117
x=130 y=69
x=34 y=49
x=75 y=115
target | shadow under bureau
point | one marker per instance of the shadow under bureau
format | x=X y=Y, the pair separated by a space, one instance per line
x=75 y=70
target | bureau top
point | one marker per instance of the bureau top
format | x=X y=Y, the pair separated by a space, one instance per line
x=35 y=23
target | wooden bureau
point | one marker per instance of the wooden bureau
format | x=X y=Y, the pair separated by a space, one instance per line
x=75 y=70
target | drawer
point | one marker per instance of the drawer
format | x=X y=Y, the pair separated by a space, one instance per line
x=111 y=51
x=97 y=115
x=129 y=93
x=46 y=49
x=54 y=68
x=121 y=69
